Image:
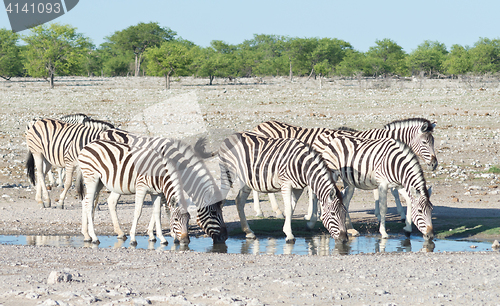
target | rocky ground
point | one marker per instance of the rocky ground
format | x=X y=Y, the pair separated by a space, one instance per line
x=467 y=113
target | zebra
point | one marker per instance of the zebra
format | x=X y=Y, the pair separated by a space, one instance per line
x=124 y=169
x=416 y=132
x=268 y=165
x=379 y=164
x=196 y=179
x=56 y=143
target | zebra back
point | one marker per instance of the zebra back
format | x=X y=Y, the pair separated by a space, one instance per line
x=59 y=142
x=415 y=132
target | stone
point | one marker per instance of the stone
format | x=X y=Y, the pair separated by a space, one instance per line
x=58 y=277
x=495 y=245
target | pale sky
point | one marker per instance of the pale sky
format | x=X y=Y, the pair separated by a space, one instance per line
x=360 y=23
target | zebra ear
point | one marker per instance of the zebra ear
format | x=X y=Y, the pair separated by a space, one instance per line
x=434 y=125
x=425 y=127
x=429 y=190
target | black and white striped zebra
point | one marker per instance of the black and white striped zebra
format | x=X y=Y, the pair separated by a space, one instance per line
x=269 y=165
x=78 y=118
x=415 y=132
x=379 y=164
x=124 y=169
x=56 y=143
x=196 y=179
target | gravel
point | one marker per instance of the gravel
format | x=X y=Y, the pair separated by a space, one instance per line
x=467 y=143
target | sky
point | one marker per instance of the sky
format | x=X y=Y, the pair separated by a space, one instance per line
x=361 y=23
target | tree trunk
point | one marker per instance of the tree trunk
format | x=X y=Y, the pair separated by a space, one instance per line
x=136 y=72
x=51 y=79
x=167 y=80
x=320 y=81
x=312 y=71
x=291 y=74
x=211 y=79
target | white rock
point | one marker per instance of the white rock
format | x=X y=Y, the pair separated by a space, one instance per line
x=58 y=277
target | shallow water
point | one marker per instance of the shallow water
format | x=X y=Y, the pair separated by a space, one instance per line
x=317 y=245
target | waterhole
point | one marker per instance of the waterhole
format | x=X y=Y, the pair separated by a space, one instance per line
x=316 y=245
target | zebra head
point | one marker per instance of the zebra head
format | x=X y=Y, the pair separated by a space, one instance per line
x=179 y=225
x=423 y=146
x=421 y=212
x=210 y=219
x=333 y=214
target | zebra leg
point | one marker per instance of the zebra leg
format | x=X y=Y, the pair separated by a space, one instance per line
x=310 y=208
x=60 y=176
x=50 y=177
x=346 y=199
x=240 y=206
x=256 y=204
x=70 y=167
x=274 y=205
x=382 y=192
x=88 y=231
x=156 y=219
x=286 y=191
x=140 y=194
x=407 y=229
x=112 y=201
x=313 y=205
x=42 y=166
x=400 y=208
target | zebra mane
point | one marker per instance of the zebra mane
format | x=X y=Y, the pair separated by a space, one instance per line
x=427 y=126
x=74 y=118
x=346 y=128
x=97 y=124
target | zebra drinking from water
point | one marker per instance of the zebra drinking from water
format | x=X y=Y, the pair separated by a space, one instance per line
x=124 y=169
x=56 y=143
x=416 y=132
x=194 y=175
x=269 y=165
x=380 y=164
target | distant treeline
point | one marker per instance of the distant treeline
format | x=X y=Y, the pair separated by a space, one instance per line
x=149 y=49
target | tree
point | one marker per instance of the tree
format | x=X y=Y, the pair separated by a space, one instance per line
x=55 y=49
x=138 y=38
x=485 y=56
x=329 y=52
x=387 y=57
x=171 y=58
x=428 y=57
x=353 y=63
x=10 y=60
x=322 y=69
x=457 y=61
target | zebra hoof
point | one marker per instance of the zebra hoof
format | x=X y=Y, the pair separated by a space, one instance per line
x=60 y=206
x=290 y=240
x=280 y=216
x=153 y=239
x=133 y=243
x=407 y=234
x=121 y=237
x=352 y=232
x=164 y=242
x=259 y=214
x=250 y=236
x=46 y=204
x=96 y=242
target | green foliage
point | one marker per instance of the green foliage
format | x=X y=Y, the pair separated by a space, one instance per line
x=457 y=61
x=387 y=57
x=10 y=58
x=485 y=56
x=428 y=57
x=170 y=59
x=354 y=63
x=134 y=40
x=494 y=169
x=55 y=49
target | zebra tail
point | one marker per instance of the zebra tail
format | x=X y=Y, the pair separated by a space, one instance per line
x=200 y=149
x=30 y=168
x=79 y=183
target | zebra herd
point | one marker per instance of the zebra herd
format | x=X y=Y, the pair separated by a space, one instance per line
x=274 y=156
